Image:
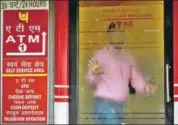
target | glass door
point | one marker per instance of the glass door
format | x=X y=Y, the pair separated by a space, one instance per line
x=125 y=39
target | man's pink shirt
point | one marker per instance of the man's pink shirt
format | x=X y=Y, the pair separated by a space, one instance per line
x=118 y=67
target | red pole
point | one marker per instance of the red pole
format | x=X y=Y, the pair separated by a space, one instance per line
x=61 y=51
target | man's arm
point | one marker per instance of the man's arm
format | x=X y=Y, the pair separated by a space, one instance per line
x=141 y=85
x=137 y=80
x=92 y=77
x=94 y=70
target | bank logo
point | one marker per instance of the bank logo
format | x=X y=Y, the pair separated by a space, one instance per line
x=23 y=16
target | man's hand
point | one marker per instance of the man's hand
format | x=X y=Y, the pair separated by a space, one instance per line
x=95 y=67
x=151 y=88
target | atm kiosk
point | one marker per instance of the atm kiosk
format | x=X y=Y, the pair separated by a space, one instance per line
x=46 y=45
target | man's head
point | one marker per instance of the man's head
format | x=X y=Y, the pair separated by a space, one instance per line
x=116 y=36
x=116 y=39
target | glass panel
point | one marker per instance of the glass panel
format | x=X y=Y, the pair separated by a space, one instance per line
x=126 y=40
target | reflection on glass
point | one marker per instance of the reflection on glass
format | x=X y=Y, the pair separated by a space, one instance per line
x=121 y=59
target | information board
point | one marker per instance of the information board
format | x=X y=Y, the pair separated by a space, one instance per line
x=24 y=62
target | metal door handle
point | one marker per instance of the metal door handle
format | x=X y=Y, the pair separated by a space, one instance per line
x=168 y=99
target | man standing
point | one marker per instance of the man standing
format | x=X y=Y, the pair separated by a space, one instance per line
x=110 y=70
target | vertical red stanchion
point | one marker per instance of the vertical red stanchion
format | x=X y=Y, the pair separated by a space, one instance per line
x=61 y=51
x=175 y=29
x=175 y=47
